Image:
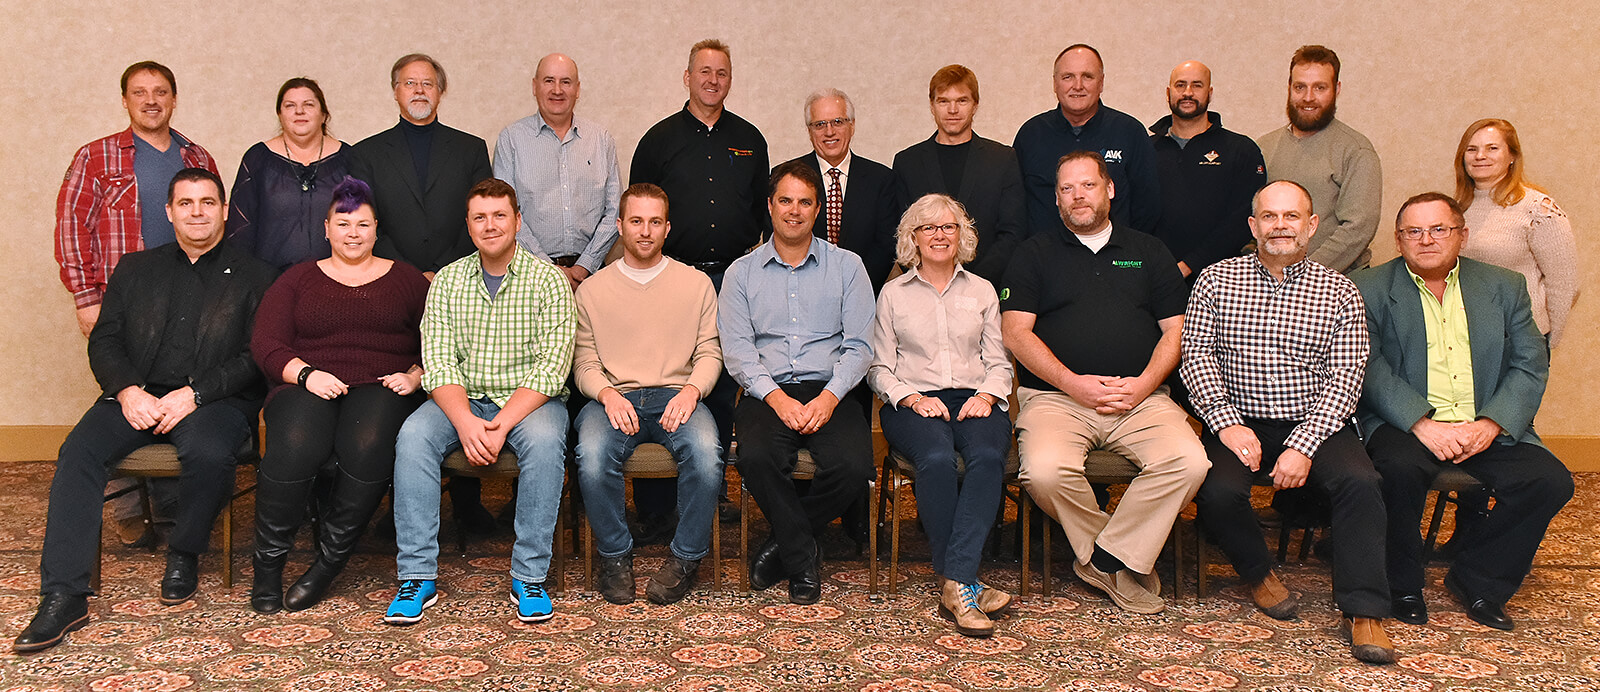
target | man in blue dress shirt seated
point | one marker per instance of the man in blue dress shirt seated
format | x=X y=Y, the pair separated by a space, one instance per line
x=794 y=316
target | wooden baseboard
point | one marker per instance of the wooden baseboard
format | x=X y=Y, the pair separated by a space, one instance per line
x=1581 y=453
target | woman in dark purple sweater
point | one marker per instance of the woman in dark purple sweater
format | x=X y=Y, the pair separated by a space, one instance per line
x=339 y=338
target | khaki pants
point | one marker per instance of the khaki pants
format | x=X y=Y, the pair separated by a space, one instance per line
x=1056 y=434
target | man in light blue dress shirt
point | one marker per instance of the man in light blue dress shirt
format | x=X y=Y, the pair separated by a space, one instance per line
x=565 y=171
x=794 y=316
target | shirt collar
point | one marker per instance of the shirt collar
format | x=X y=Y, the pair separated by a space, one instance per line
x=1449 y=279
x=915 y=274
x=542 y=127
x=844 y=166
x=125 y=138
x=768 y=252
x=1290 y=273
x=1064 y=125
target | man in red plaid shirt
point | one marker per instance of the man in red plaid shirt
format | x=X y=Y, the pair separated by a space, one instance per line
x=104 y=211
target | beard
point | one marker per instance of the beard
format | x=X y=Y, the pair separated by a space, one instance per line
x=1096 y=221
x=419 y=110
x=1200 y=108
x=1311 y=123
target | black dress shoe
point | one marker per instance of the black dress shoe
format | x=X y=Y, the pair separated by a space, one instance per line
x=182 y=578
x=805 y=586
x=58 y=614
x=1410 y=609
x=766 y=567
x=1481 y=610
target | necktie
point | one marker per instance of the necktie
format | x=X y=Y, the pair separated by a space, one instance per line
x=835 y=205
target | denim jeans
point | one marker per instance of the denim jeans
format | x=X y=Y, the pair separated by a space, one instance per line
x=539 y=441
x=602 y=449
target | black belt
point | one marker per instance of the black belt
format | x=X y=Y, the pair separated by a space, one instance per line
x=714 y=267
x=565 y=261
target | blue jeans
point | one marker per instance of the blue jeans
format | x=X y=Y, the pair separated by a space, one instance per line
x=602 y=449
x=956 y=510
x=539 y=441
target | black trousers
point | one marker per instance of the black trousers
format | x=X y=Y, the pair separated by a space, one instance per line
x=842 y=450
x=207 y=440
x=1340 y=471
x=1529 y=486
x=358 y=429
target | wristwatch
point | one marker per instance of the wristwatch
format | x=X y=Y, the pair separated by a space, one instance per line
x=197 y=401
x=304 y=373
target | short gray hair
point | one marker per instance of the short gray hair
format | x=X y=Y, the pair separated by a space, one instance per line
x=829 y=93
x=394 y=72
x=925 y=211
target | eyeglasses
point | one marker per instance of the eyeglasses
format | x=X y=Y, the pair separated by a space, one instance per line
x=1436 y=232
x=820 y=125
x=426 y=84
x=945 y=228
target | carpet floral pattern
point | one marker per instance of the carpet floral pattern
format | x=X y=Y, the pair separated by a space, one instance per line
x=732 y=640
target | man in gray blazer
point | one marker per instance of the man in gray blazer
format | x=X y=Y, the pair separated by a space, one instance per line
x=1455 y=377
x=979 y=173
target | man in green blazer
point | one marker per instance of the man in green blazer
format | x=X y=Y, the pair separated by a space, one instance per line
x=1455 y=377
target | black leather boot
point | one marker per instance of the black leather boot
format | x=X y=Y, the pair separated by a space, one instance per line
x=279 y=508
x=348 y=510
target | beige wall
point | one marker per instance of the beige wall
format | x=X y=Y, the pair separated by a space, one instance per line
x=1414 y=77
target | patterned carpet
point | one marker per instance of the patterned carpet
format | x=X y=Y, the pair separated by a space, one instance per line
x=757 y=641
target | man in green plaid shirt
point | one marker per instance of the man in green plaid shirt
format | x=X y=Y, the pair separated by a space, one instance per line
x=496 y=347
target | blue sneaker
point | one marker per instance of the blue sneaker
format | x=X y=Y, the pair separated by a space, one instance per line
x=414 y=596
x=533 y=604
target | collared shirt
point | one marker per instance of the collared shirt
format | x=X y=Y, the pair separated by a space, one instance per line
x=191 y=283
x=1117 y=137
x=925 y=340
x=1205 y=191
x=1290 y=350
x=844 y=173
x=1099 y=313
x=519 y=339
x=98 y=211
x=716 y=179
x=568 y=187
x=783 y=324
x=1449 y=350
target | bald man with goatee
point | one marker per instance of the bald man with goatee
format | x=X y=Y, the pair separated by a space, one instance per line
x=1207 y=175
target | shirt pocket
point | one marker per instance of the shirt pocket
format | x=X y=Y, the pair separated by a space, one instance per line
x=119 y=191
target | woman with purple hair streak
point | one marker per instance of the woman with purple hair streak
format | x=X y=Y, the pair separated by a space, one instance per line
x=340 y=339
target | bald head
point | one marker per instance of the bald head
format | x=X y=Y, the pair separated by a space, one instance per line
x=1189 y=90
x=555 y=87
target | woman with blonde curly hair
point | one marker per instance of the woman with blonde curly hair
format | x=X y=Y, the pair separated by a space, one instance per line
x=941 y=368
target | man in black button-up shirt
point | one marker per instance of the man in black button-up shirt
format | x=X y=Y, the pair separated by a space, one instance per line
x=1093 y=313
x=171 y=353
x=712 y=164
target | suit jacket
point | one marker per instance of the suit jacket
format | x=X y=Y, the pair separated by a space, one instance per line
x=125 y=342
x=991 y=190
x=424 y=225
x=871 y=214
x=1510 y=362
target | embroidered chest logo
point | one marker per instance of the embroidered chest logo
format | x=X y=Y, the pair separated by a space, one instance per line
x=1127 y=264
x=741 y=152
x=1211 y=159
x=1112 y=155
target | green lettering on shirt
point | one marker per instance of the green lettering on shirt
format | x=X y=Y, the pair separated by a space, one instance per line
x=1127 y=264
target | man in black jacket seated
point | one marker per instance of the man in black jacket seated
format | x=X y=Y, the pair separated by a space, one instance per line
x=171 y=355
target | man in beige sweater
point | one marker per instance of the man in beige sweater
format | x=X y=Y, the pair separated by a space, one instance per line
x=646 y=353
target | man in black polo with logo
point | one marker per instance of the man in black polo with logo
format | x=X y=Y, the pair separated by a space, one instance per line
x=1208 y=175
x=713 y=166
x=1093 y=313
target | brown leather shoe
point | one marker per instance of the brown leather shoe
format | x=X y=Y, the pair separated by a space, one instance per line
x=1274 y=599
x=1368 y=642
x=958 y=603
x=992 y=601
